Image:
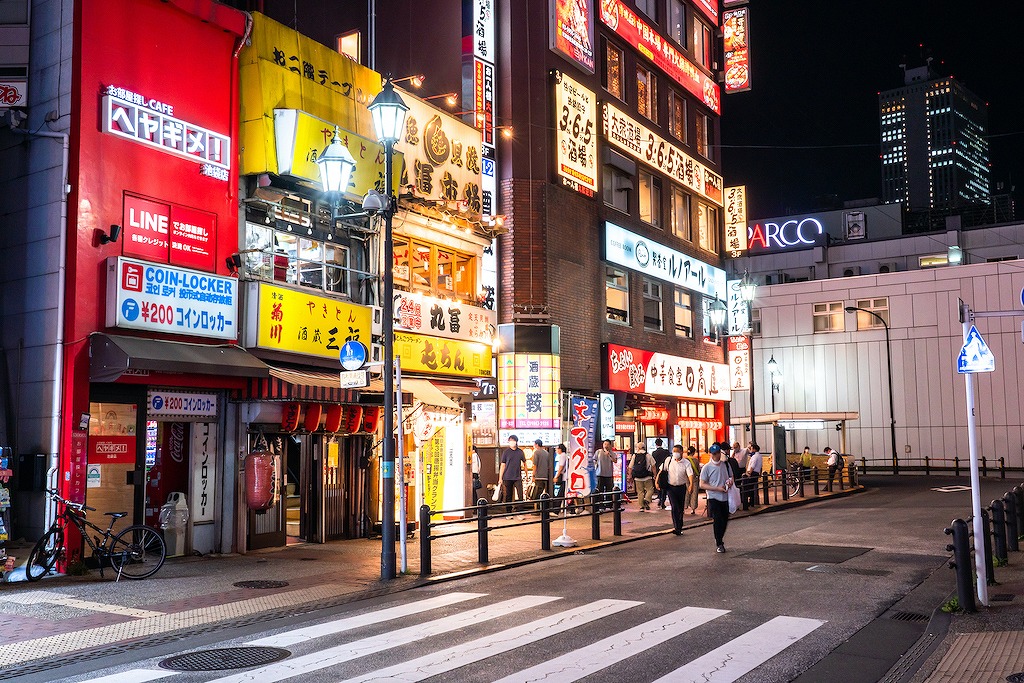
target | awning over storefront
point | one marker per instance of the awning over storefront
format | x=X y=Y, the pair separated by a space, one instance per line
x=112 y=356
x=424 y=391
x=299 y=384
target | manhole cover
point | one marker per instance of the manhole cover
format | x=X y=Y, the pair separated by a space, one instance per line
x=1016 y=678
x=1001 y=597
x=912 y=617
x=260 y=584
x=799 y=552
x=225 y=658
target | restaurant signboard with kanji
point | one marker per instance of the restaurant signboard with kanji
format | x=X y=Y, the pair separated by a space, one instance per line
x=435 y=356
x=415 y=312
x=660 y=374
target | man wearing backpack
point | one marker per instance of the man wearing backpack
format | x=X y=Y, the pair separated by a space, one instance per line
x=641 y=466
x=660 y=455
x=835 y=463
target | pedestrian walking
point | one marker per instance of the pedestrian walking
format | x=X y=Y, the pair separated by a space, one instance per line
x=833 y=463
x=680 y=478
x=660 y=455
x=693 y=492
x=474 y=467
x=751 y=478
x=543 y=470
x=641 y=466
x=605 y=461
x=511 y=473
x=716 y=480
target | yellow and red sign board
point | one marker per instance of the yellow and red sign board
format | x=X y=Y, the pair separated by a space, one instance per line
x=282 y=69
x=420 y=353
x=299 y=322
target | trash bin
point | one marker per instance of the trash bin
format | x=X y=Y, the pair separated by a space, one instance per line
x=174 y=522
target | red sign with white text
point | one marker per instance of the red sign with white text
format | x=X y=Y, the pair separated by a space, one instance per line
x=112 y=450
x=169 y=233
x=145 y=226
x=631 y=28
x=709 y=8
x=659 y=374
x=192 y=233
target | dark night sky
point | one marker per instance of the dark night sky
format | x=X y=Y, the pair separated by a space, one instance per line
x=817 y=69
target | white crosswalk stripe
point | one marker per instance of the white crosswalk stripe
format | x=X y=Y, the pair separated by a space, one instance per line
x=602 y=654
x=724 y=664
x=455 y=657
x=343 y=653
x=745 y=653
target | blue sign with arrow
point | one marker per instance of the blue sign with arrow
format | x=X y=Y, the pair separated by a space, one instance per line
x=975 y=356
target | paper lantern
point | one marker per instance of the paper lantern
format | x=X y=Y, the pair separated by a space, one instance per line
x=353 y=419
x=290 y=417
x=371 y=415
x=334 y=414
x=313 y=413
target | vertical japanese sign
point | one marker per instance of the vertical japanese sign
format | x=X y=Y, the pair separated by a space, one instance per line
x=581 y=443
x=738 y=308
x=433 y=472
x=607 y=403
x=204 y=471
x=736 y=220
x=575 y=135
x=480 y=47
x=736 y=28
x=528 y=386
x=739 y=363
x=572 y=31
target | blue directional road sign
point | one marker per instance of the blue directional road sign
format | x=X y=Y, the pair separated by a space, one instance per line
x=353 y=355
x=975 y=356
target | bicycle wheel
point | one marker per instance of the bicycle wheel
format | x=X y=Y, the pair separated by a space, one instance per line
x=793 y=481
x=137 y=552
x=45 y=554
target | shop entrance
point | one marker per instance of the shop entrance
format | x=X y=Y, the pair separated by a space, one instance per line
x=296 y=516
x=111 y=477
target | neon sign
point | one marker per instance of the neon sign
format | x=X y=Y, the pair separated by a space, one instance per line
x=806 y=232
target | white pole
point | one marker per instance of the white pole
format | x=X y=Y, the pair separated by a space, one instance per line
x=972 y=441
x=400 y=467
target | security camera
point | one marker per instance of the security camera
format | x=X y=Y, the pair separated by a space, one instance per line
x=374 y=202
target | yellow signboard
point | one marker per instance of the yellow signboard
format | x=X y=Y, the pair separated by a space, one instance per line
x=433 y=465
x=442 y=356
x=303 y=323
x=282 y=69
x=736 y=220
x=301 y=138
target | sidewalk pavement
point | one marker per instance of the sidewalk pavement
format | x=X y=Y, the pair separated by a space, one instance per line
x=63 y=619
x=987 y=645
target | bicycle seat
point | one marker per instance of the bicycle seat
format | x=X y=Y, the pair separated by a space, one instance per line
x=116 y=515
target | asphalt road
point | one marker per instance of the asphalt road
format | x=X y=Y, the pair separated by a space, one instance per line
x=805 y=593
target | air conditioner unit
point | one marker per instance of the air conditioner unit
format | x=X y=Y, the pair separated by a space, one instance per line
x=851 y=271
x=376 y=356
x=887 y=267
x=376 y=324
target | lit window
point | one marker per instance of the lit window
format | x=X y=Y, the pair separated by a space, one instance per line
x=866 y=321
x=705 y=136
x=646 y=93
x=652 y=306
x=677 y=116
x=703 y=43
x=611 y=72
x=684 y=314
x=281 y=256
x=681 y=214
x=648 y=7
x=828 y=317
x=348 y=45
x=677 y=21
x=707 y=227
x=616 y=291
x=650 y=199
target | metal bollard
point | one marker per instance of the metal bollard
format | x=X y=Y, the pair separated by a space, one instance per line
x=1002 y=467
x=545 y=522
x=999 y=530
x=424 y=540
x=961 y=549
x=1012 y=530
x=800 y=490
x=617 y=512
x=986 y=546
x=482 y=554
x=864 y=464
x=927 y=466
x=785 y=485
x=984 y=466
x=595 y=519
x=956 y=465
x=839 y=471
x=816 y=490
x=764 y=488
x=1018 y=493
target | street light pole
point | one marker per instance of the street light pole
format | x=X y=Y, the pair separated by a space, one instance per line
x=747 y=291
x=774 y=372
x=892 y=402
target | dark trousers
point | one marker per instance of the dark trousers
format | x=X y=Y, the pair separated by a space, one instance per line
x=748 y=489
x=662 y=488
x=677 y=498
x=508 y=486
x=604 y=485
x=719 y=511
x=540 y=487
x=831 y=475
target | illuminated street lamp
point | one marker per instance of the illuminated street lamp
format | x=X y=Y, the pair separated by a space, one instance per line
x=776 y=375
x=892 y=403
x=747 y=291
x=336 y=165
x=388 y=111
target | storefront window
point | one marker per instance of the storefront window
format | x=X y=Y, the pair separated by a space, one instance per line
x=401 y=258
x=423 y=267
x=282 y=256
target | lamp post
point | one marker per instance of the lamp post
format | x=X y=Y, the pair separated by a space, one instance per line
x=892 y=403
x=747 y=292
x=775 y=373
x=717 y=314
x=388 y=111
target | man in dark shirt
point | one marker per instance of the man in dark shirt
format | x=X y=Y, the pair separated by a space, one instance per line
x=511 y=473
x=543 y=470
x=660 y=455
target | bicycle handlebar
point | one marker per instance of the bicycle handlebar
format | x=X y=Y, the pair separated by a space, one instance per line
x=75 y=506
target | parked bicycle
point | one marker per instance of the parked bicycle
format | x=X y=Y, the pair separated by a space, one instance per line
x=136 y=552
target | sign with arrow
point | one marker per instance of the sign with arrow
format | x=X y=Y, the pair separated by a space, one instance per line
x=975 y=356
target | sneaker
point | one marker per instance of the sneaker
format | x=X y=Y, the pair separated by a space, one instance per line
x=520 y=517
x=720 y=549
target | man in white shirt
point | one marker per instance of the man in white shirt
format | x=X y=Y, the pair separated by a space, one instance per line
x=604 y=463
x=752 y=476
x=680 y=477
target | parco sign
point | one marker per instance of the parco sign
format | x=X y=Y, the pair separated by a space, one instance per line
x=792 y=234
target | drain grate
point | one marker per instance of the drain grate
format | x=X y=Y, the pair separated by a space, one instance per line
x=832 y=569
x=1002 y=597
x=260 y=584
x=224 y=659
x=913 y=617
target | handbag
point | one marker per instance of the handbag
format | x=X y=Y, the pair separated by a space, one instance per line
x=496 y=496
x=734 y=498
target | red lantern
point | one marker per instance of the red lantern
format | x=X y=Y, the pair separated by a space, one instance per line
x=290 y=417
x=261 y=480
x=353 y=419
x=371 y=415
x=313 y=413
x=334 y=415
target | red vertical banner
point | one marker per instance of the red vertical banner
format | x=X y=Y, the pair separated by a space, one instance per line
x=79 y=460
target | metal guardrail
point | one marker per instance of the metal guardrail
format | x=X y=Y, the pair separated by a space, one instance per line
x=930 y=465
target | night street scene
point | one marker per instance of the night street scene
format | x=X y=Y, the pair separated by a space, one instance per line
x=705 y=358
